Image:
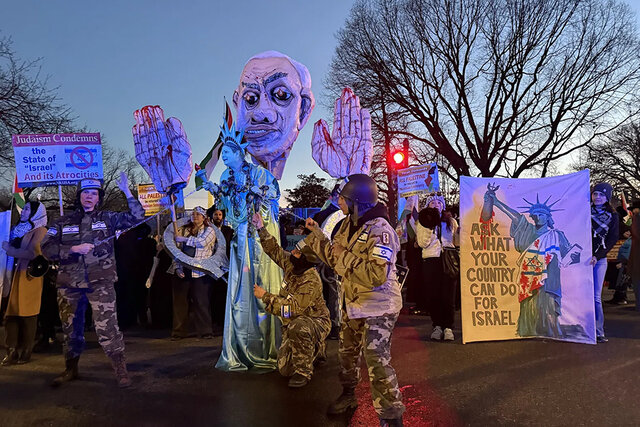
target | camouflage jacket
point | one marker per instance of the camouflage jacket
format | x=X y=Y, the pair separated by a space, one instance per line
x=300 y=294
x=369 y=285
x=82 y=271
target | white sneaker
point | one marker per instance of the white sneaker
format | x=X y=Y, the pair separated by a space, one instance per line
x=448 y=334
x=437 y=333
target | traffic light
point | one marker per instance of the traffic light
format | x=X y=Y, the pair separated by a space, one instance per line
x=400 y=158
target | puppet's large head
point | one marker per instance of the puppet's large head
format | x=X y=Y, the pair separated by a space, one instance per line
x=273 y=103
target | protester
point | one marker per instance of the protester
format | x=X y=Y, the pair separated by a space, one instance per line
x=83 y=245
x=191 y=287
x=634 y=257
x=327 y=218
x=26 y=290
x=622 y=280
x=299 y=305
x=219 y=285
x=436 y=235
x=604 y=228
x=363 y=253
x=134 y=252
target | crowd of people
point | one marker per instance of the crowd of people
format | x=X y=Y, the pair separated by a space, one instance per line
x=274 y=308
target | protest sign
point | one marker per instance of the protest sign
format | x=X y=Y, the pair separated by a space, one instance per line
x=57 y=159
x=525 y=251
x=150 y=199
x=418 y=180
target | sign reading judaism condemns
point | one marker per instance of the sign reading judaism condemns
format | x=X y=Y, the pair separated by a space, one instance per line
x=57 y=159
x=524 y=259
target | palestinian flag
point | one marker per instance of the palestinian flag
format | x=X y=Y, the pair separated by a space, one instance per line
x=211 y=159
x=18 y=195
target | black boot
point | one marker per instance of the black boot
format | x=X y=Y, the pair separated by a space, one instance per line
x=346 y=401
x=69 y=374
x=25 y=357
x=11 y=358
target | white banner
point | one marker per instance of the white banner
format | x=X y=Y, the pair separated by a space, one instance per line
x=524 y=259
x=52 y=159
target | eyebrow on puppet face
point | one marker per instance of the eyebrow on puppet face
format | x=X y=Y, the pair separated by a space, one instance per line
x=265 y=82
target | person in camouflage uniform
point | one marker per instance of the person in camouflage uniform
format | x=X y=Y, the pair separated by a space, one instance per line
x=363 y=252
x=87 y=272
x=300 y=306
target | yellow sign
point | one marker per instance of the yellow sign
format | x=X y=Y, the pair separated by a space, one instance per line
x=151 y=200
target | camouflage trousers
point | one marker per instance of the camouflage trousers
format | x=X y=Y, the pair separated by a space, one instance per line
x=371 y=336
x=73 y=303
x=302 y=340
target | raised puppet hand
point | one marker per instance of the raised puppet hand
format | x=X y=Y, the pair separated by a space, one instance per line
x=349 y=148
x=162 y=148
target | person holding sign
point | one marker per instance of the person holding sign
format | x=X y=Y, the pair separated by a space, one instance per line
x=604 y=233
x=435 y=233
x=26 y=290
x=83 y=245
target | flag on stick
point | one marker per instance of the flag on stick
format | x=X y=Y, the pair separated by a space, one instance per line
x=18 y=195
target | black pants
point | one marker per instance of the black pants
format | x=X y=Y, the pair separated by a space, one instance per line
x=21 y=332
x=440 y=292
x=191 y=299
x=330 y=293
x=218 y=301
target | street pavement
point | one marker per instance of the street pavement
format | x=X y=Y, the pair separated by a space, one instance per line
x=522 y=382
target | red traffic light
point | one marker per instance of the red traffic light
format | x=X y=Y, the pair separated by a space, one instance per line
x=398 y=157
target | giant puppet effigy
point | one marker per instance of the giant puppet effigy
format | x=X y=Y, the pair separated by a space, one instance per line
x=251 y=335
x=273 y=102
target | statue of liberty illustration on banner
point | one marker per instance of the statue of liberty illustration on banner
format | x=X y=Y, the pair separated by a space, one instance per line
x=525 y=251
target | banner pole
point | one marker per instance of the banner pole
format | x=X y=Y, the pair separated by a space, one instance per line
x=60 y=199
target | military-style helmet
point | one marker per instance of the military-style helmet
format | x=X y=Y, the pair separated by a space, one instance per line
x=360 y=189
x=90 y=184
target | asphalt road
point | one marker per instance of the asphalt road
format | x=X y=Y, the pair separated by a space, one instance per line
x=524 y=382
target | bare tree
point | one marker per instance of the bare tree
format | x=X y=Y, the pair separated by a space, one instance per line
x=616 y=159
x=494 y=87
x=27 y=105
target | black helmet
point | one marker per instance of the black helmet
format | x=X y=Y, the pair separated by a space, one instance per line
x=360 y=189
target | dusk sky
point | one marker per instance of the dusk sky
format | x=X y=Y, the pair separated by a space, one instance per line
x=111 y=58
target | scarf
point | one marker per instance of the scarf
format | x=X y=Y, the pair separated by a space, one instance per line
x=600 y=219
x=23 y=227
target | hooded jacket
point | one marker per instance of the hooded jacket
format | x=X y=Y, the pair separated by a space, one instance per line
x=369 y=285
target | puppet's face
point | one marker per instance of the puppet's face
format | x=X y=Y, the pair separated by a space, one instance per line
x=230 y=157
x=269 y=105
